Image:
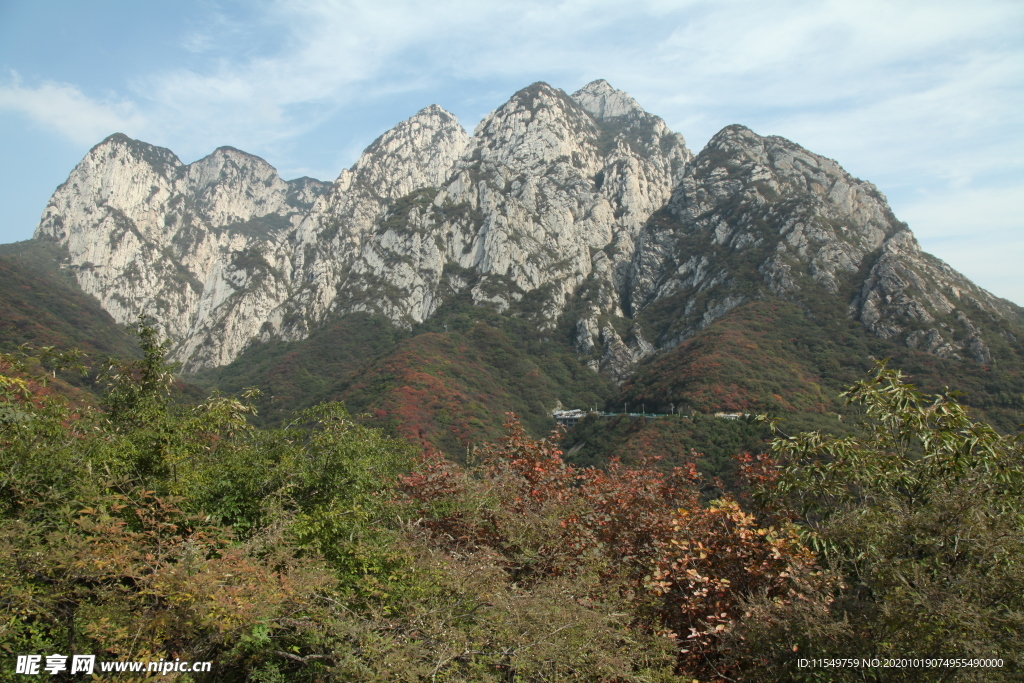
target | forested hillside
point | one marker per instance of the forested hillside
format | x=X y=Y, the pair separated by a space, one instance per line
x=571 y=252
x=42 y=305
x=149 y=529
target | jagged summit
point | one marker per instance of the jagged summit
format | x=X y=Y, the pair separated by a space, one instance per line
x=228 y=150
x=603 y=101
x=415 y=153
x=116 y=139
x=761 y=216
x=435 y=110
x=583 y=205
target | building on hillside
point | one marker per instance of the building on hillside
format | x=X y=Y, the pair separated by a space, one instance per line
x=568 y=418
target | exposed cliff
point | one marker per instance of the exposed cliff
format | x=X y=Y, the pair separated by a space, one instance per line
x=760 y=216
x=545 y=194
x=579 y=204
x=186 y=244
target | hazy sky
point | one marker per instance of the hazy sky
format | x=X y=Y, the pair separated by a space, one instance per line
x=925 y=99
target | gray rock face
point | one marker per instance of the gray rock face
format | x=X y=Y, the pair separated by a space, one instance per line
x=915 y=298
x=757 y=216
x=337 y=245
x=541 y=188
x=185 y=244
x=584 y=198
x=753 y=216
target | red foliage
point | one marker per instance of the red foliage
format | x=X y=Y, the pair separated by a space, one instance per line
x=758 y=471
x=713 y=558
x=646 y=529
x=434 y=477
x=739 y=364
x=434 y=395
x=537 y=467
x=628 y=511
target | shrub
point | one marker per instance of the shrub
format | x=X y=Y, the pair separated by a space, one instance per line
x=921 y=521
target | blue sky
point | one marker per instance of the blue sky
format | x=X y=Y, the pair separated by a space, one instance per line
x=925 y=99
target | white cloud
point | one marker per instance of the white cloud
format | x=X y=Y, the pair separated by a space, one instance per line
x=872 y=71
x=65 y=109
x=278 y=69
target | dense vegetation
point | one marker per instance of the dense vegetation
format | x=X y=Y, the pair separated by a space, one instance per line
x=447 y=383
x=323 y=550
x=780 y=357
x=42 y=305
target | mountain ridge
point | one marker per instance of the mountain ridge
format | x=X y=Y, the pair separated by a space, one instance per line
x=585 y=204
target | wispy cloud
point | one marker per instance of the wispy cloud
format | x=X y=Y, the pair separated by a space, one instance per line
x=278 y=69
x=739 y=56
x=63 y=108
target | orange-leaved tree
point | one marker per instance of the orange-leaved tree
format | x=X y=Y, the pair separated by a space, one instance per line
x=683 y=568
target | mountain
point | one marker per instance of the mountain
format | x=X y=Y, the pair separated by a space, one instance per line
x=756 y=215
x=186 y=244
x=549 y=191
x=577 y=228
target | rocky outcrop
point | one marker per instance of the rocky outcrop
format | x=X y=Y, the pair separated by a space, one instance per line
x=761 y=216
x=556 y=199
x=914 y=298
x=544 y=186
x=147 y=234
x=334 y=251
x=755 y=214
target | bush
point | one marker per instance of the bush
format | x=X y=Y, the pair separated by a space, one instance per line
x=323 y=551
x=156 y=530
x=922 y=523
x=627 y=538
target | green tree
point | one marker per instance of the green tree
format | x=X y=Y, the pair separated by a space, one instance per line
x=154 y=529
x=921 y=520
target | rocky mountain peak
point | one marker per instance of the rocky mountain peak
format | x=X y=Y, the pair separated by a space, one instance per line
x=160 y=159
x=739 y=163
x=602 y=101
x=331 y=241
x=538 y=126
x=749 y=198
x=585 y=203
x=418 y=152
x=231 y=186
x=756 y=216
x=120 y=177
x=303 y=192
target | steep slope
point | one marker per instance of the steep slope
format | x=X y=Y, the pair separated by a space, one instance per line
x=297 y=374
x=185 y=244
x=446 y=384
x=41 y=305
x=776 y=356
x=760 y=216
x=332 y=251
x=450 y=383
x=549 y=190
x=542 y=187
x=582 y=212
